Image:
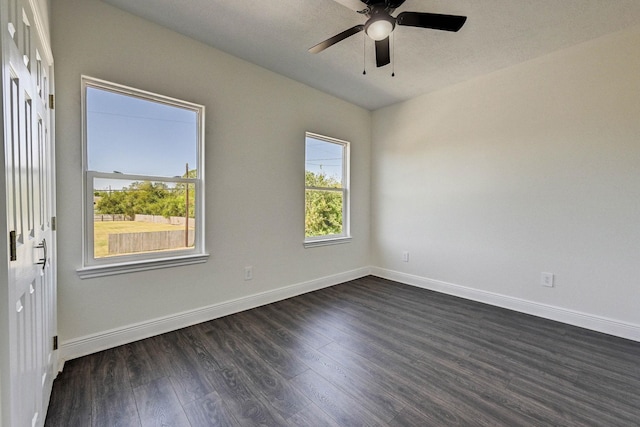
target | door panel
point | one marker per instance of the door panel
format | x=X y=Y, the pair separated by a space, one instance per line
x=28 y=168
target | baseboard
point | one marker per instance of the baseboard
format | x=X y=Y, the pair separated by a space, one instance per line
x=575 y=318
x=89 y=344
x=83 y=346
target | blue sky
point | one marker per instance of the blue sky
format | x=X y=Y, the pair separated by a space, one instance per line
x=323 y=157
x=136 y=136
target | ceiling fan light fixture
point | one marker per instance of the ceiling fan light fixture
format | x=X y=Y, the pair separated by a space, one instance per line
x=379 y=27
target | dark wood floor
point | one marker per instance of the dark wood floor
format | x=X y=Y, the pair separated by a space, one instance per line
x=367 y=352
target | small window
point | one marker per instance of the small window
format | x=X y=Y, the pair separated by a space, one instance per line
x=143 y=177
x=326 y=190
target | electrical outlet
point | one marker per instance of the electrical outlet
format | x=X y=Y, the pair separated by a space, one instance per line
x=546 y=279
x=405 y=256
x=248 y=272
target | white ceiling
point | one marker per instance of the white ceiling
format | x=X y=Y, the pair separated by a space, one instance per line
x=277 y=34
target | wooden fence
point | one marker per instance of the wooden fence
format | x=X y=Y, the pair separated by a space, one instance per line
x=159 y=219
x=127 y=243
x=114 y=217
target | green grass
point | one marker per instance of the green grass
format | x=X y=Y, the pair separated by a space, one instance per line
x=101 y=231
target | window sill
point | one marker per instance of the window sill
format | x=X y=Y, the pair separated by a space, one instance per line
x=327 y=242
x=131 y=267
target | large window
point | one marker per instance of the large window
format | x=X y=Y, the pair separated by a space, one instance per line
x=326 y=190
x=143 y=178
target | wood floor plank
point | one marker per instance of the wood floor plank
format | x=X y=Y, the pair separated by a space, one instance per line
x=182 y=366
x=413 y=331
x=410 y=417
x=109 y=370
x=371 y=330
x=287 y=364
x=452 y=402
x=272 y=386
x=210 y=411
x=113 y=403
x=71 y=403
x=367 y=352
x=369 y=394
x=438 y=380
x=196 y=349
x=311 y=415
x=158 y=405
x=574 y=411
x=621 y=393
x=115 y=410
x=508 y=411
x=292 y=312
x=361 y=389
x=433 y=408
x=141 y=365
x=341 y=407
x=290 y=330
x=248 y=408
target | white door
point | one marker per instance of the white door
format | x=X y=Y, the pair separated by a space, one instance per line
x=27 y=69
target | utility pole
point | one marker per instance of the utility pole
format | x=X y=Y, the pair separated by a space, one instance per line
x=186 y=210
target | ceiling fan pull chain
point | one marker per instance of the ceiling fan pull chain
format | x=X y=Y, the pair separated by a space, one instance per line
x=364 y=54
x=393 y=55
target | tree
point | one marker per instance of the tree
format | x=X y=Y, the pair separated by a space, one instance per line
x=323 y=208
x=112 y=203
x=148 y=198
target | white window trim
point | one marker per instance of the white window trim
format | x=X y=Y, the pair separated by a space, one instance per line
x=326 y=241
x=97 y=267
x=134 y=266
x=345 y=236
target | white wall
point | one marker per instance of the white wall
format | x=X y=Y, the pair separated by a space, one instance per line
x=486 y=183
x=255 y=127
x=530 y=169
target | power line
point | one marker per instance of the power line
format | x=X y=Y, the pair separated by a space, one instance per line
x=140 y=117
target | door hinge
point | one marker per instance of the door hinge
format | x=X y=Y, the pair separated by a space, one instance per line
x=53 y=223
x=52 y=101
x=13 y=256
x=55 y=342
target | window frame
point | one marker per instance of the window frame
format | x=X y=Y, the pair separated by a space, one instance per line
x=105 y=266
x=345 y=236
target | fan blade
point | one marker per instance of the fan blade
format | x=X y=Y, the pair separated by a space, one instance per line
x=335 y=39
x=382 y=52
x=431 y=20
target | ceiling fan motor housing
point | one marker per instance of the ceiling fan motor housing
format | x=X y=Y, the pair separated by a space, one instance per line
x=386 y=4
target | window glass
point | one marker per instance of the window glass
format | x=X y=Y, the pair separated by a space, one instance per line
x=143 y=175
x=326 y=188
x=325 y=160
x=158 y=139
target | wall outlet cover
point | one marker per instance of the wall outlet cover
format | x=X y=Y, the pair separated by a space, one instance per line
x=547 y=279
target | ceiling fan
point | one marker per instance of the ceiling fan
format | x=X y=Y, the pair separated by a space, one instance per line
x=380 y=24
